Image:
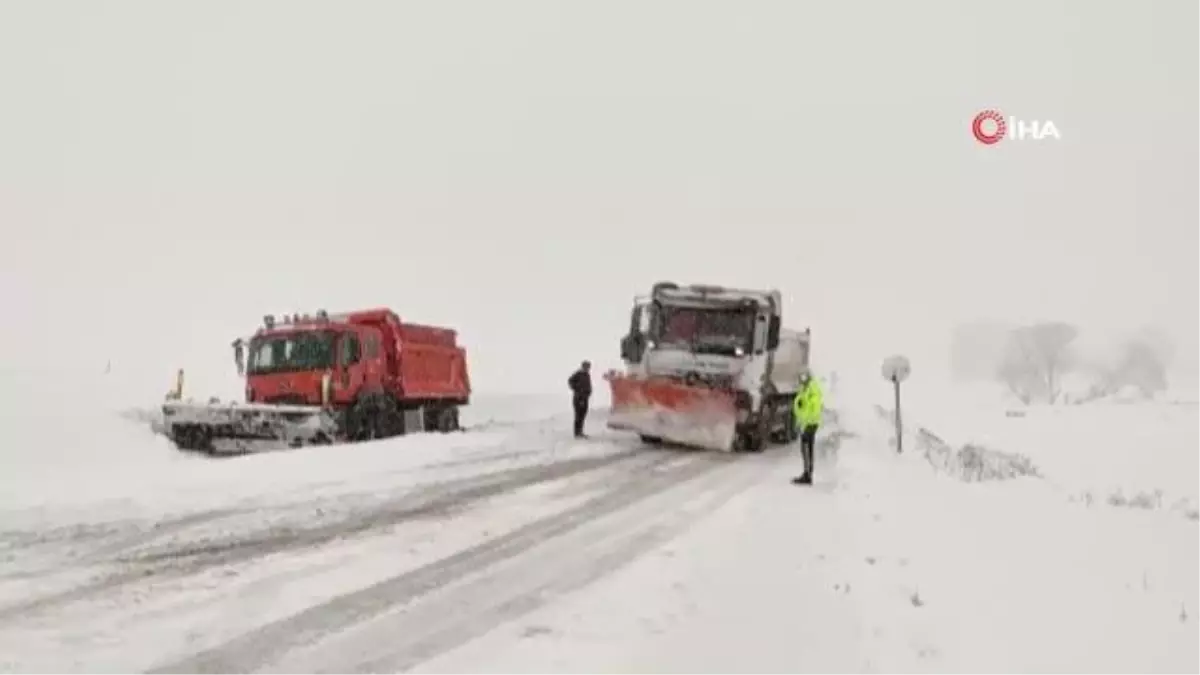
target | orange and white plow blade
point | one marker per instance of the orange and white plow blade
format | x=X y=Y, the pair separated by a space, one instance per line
x=692 y=416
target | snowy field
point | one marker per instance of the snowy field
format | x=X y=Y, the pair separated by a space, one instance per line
x=512 y=547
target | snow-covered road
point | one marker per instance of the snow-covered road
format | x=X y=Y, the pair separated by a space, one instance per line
x=305 y=577
x=514 y=548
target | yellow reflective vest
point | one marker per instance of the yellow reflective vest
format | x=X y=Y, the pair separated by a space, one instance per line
x=808 y=404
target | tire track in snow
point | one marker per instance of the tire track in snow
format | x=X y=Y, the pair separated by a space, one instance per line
x=431 y=501
x=158 y=530
x=436 y=500
x=106 y=537
x=268 y=644
x=403 y=640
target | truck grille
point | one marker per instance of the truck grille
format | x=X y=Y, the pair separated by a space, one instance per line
x=286 y=399
x=721 y=381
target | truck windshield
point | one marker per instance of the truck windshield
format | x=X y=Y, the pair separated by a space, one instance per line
x=706 y=331
x=291 y=352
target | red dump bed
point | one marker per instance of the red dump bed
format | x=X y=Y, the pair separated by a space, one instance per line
x=423 y=362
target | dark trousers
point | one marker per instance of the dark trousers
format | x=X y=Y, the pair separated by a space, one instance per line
x=808 y=441
x=580 y=406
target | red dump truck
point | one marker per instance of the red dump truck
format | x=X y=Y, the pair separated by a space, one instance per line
x=330 y=378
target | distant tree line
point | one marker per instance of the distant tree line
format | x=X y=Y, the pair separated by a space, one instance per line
x=1035 y=361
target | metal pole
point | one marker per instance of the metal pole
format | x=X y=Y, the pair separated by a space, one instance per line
x=899 y=425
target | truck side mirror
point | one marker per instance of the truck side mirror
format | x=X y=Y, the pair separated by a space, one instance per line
x=773 y=333
x=632 y=347
x=634 y=342
x=239 y=356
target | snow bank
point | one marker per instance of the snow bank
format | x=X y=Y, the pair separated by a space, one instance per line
x=1015 y=538
x=884 y=565
x=1111 y=451
x=1009 y=576
x=56 y=421
x=82 y=447
x=495 y=410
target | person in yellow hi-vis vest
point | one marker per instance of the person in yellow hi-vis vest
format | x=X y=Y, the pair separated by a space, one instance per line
x=807 y=408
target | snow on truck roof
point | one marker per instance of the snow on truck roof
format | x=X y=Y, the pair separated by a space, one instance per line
x=713 y=293
x=698 y=295
x=379 y=317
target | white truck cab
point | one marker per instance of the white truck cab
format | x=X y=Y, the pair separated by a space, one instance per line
x=721 y=339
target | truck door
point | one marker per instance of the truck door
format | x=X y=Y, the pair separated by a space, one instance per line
x=633 y=345
x=762 y=326
x=373 y=362
x=644 y=319
x=348 y=376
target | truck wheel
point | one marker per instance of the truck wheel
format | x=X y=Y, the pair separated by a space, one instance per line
x=773 y=414
x=447 y=419
x=389 y=420
x=792 y=432
x=755 y=441
x=356 y=421
x=758 y=437
x=374 y=417
x=749 y=440
x=194 y=437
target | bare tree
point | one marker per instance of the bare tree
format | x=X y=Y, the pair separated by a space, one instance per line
x=1143 y=364
x=1034 y=360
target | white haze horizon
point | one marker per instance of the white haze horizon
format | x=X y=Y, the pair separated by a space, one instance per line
x=171 y=172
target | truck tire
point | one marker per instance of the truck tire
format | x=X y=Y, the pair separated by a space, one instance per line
x=447 y=419
x=193 y=437
x=374 y=416
x=793 y=433
x=754 y=441
x=389 y=419
x=755 y=438
x=441 y=418
x=775 y=435
x=787 y=432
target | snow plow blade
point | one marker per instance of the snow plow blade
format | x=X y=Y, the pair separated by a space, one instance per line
x=238 y=428
x=686 y=415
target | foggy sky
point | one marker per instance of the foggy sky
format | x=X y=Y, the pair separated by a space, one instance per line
x=171 y=171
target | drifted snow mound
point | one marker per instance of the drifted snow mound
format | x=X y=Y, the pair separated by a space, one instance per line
x=151 y=418
x=973 y=463
x=78 y=448
x=969 y=463
x=493 y=410
x=60 y=419
x=485 y=411
x=64 y=417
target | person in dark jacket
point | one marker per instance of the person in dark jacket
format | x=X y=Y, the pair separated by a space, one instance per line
x=581 y=392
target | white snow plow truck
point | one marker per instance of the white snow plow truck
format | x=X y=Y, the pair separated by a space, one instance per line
x=708 y=367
